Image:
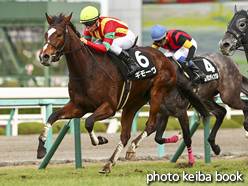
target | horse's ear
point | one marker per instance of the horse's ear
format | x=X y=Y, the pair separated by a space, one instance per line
x=49 y=19
x=67 y=20
x=235 y=9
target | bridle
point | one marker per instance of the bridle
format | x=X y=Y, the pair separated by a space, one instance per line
x=59 y=51
x=239 y=33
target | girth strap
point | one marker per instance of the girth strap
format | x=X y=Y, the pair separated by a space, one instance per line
x=124 y=94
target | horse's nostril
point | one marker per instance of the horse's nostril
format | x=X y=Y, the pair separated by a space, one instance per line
x=46 y=57
x=226 y=45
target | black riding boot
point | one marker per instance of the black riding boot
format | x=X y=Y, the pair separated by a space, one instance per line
x=198 y=73
x=132 y=66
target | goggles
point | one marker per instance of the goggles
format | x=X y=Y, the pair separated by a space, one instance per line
x=89 y=23
x=160 y=41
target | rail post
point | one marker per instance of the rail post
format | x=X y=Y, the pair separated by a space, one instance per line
x=49 y=110
x=161 y=149
x=8 y=127
x=207 y=149
x=77 y=136
x=134 y=124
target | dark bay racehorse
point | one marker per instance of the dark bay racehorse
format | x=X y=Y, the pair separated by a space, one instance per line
x=236 y=35
x=92 y=90
x=229 y=86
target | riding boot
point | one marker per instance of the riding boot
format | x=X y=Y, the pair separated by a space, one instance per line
x=132 y=66
x=196 y=71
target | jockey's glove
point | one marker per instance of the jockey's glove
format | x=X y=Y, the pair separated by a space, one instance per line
x=186 y=63
x=83 y=40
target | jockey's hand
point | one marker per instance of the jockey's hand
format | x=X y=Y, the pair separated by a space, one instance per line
x=186 y=63
x=83 y=40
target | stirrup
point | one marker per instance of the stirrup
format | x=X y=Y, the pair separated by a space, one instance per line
x=133 y=70
x=198 y=77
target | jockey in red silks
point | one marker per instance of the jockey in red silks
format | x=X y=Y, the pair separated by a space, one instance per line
x=179 y=45
x=112 y=35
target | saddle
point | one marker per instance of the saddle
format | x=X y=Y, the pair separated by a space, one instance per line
x=207 y=66
x=147 y=69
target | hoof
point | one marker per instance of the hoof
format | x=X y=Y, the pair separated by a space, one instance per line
x=183 y=165
x=41 y=153
x=104 y=170
x=190 y=164
x=130 y=155
x=216 y=149
x=180 y=135
x=102 y=140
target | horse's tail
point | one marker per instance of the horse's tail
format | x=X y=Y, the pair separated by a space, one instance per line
x=186 y=92
x=244 y=85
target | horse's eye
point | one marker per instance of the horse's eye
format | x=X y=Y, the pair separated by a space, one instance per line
x=242 y=25
x=59 y=35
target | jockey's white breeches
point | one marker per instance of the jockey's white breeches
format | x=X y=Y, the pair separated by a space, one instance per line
x=120 y=43
x=180 y=54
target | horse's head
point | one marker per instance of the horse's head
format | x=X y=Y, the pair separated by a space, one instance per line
x=236 y=33
x=56 y=39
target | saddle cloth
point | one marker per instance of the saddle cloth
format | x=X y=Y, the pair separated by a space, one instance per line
x=147 y=67
x=207 y=66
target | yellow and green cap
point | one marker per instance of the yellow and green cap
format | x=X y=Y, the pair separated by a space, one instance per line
x=88 y=14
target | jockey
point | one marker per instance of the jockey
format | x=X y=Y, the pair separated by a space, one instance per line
x=112 y=35
x=179 y=44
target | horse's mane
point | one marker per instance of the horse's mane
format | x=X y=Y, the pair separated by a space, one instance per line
x=61 y=17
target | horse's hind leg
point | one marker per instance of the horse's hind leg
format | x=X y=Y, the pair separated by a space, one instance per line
x=126 y=123
x=69 y=111
x=184 y=122
x=219 y=113
x=156 y=100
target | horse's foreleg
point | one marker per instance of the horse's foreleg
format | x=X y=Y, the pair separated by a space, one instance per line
x=245 y=111
x=162 y=121
x=67 y=112
x=101 y=113
x=161 y=126
x=219 y=113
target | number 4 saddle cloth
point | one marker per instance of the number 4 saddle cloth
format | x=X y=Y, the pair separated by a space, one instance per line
x=207 y=66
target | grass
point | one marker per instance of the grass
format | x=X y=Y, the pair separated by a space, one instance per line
x=123 y=174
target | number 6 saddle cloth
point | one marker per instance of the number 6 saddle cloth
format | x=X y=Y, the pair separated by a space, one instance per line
x=147 y=69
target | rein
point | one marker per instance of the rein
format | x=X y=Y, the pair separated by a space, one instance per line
x=60 y=53
x=240 y=34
